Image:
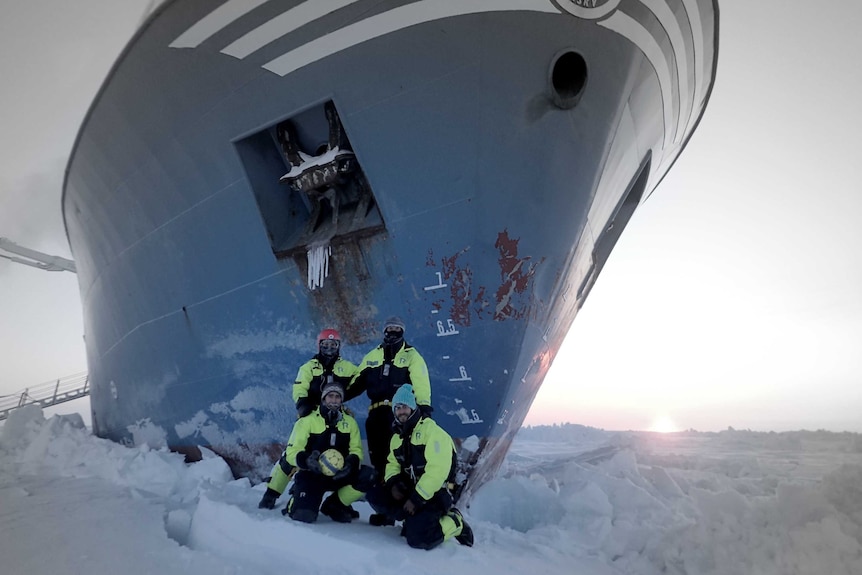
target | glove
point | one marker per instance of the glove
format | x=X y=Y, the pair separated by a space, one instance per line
x=413 y=504
x=350 y=465
x=425 y=410
x=312 y=462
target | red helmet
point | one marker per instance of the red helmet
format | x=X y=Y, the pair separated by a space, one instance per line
x=329 y=333
x=328 y=343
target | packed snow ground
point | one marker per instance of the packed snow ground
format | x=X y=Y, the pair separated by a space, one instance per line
x=569 y=499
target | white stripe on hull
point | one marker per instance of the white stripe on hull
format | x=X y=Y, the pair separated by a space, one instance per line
x=392 y=21
x=282 y=25
x=628 y=27
x=675 y=125
x=671 y=26
x=697 y=45
x=216 y=20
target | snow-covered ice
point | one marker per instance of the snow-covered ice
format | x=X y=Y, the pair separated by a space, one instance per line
x=569 y=499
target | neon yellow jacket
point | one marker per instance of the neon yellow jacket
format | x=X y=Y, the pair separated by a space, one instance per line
x=407 y=366
x=428 y=456
x=312 y=375
x=312 y=433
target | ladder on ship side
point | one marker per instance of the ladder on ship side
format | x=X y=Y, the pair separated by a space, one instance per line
x=47 y=394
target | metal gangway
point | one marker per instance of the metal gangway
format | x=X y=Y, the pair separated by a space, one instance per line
x=47 y=394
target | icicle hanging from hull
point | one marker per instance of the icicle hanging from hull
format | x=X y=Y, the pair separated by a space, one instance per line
x=318 y=264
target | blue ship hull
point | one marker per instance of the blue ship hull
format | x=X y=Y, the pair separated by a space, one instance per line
x=491 y=151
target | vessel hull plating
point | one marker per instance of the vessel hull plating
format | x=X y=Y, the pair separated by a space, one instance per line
x=501 y=148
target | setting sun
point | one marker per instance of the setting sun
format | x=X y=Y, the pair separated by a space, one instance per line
x=663 y=424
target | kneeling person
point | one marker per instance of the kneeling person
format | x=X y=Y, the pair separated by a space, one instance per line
x=325 y=428
x=419 y=472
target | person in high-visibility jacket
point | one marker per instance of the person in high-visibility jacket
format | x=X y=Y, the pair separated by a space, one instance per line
x=420 y=471
x=326 y=366
x=383 y=370
x=328 y=427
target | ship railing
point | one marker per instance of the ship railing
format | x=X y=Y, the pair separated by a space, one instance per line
x=47 y=394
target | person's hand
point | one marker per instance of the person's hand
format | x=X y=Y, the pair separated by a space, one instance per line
x=351 y=464
x=312 y=462
x=413 y=504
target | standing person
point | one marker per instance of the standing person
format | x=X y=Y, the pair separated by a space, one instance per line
x=420 y=470
x=383 y=370
x=326 y=428
x=325 y=367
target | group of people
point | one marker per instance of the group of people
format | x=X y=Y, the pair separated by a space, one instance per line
x=413 y=459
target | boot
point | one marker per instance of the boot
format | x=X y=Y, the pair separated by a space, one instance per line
x=380 y=519
x=466 y=536
x=336 y=510
x=269 y=498
x=304 y=515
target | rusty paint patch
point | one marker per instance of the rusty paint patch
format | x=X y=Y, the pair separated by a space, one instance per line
x=481 y=304
x=450 y=265
x=460 y=280
x=511 y=297
x=516 y=274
